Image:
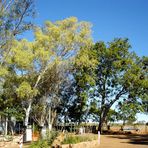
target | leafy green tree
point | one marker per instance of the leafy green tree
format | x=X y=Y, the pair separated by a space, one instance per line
x=94 y=112
x=14 y=21
x=111 y=116
x=77 y=88
x=117 y=75
x=54 y=42
x=127 y=112
x=45 y=104
x=144 y=95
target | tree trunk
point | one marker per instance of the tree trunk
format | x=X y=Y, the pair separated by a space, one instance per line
x=27 y=113
x=53 y=116
x=102 y=118
x=49 y=119
x=6 y=125
x=124 y=121
x=10 y=126
x=40 y=131
x=100 y=123
x=27 y=117
x=30 y=100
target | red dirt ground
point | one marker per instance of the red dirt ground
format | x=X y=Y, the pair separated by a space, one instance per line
x=115 y=141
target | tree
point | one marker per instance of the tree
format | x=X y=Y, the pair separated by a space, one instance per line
x=144 y=75
x=117 y=76
x=14 y=21
x=76 y=90
x=45 y=104
x=57 y=41
x=127 y=112
x=94 y=112
x=111 y=116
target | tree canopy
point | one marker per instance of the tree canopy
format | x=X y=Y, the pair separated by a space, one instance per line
x=63 y=70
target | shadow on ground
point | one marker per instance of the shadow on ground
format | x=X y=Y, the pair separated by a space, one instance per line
x=133 y=139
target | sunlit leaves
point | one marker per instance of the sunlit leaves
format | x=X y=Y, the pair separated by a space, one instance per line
x=3 y=71
x=63 y=36
x=25 y=91
x=21 y=54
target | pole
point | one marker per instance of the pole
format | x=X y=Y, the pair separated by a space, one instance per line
x=21 y=141
x=99 y=137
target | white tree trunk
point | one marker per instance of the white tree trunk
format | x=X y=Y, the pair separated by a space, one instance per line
x=6 y=126
x=53 y=116
x=49 y=120
x=30 y=100
x=27 y=113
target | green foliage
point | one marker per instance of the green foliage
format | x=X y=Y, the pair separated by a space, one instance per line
x=46 y=142
x=39 y=144
x=103 y=74
x=13 y=22
x=51 y=136
x=25 y=90
x=36 y=72
x=116 y=73
x=73 y=139
x=35 y=64
x=127 y=111
x=112 y=116
x=82 y=72
x=15 y=112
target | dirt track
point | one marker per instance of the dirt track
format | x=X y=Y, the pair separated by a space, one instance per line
x=115 y=141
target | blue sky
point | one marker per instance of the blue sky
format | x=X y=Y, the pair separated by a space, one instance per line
x=110 y=18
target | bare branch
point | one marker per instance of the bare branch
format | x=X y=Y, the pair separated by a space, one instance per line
x=7 y=6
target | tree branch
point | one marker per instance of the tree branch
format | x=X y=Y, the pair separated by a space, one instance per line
x=122 y=92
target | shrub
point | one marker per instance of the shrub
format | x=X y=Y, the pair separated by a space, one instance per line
x=39 y=144
x=46 y=142
x=72 y=139
x=50 y=137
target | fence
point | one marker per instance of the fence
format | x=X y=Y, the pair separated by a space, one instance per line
x=10 y=127
x=76 y=128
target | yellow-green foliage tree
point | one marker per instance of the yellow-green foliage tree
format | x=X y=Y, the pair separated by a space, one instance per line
x=13 y=22
x=55 y=42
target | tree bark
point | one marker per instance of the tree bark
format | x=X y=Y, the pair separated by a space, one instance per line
x=102 y=118
x=30 y=100
x=49 y=119
x=6 y=125
x=105 y=108
x=27 y=113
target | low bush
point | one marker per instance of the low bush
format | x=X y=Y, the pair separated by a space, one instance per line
x=51 y=137
x=46 y=142
x=39 y=144
x=73 y=139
